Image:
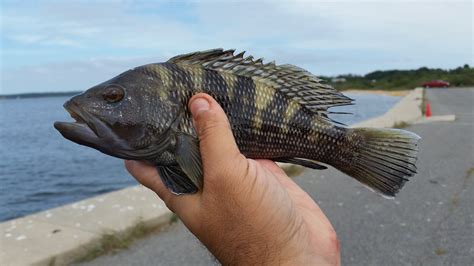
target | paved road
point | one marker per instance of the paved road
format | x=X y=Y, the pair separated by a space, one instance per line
x=431 y=222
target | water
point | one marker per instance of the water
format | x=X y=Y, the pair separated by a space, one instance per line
x=40 y=170
x=366 y=106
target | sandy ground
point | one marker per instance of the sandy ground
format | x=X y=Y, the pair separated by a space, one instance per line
x=429 y=223
x=391 y=93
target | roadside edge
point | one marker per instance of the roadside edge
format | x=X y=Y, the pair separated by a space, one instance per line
x=71 y=230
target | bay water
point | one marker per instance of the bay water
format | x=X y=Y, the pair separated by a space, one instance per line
x=39 y=169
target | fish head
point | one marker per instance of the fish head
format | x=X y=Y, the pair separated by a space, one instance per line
x=122 y=117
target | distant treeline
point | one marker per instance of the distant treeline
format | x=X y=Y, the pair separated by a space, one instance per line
x=377 y=80
x=403 y=79
x=38 y=95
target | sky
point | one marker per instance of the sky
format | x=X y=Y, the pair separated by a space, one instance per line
x=72 y=45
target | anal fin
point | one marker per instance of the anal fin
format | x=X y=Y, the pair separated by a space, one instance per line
x=302 y=162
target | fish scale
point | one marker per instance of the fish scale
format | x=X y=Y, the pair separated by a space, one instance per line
x=277 y=112
x=242 y=113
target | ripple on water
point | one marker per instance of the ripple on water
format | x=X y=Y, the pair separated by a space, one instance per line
x=40 y=170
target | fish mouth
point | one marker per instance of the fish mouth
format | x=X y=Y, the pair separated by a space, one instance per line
x=89 y=130
x=83 y=130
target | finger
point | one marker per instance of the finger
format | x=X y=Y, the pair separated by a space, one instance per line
x=216 y=141
x=148 y=176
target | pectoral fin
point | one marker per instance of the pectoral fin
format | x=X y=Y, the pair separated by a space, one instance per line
x=188 y=156
x=176 y=180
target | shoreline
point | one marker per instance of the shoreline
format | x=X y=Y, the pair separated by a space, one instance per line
x=72 y=230
x=406 y=111
x=399 y=93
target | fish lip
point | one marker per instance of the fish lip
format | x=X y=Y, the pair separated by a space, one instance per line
x=91 y=131
x=82 y=130
x=75 y=111
x=77 y=132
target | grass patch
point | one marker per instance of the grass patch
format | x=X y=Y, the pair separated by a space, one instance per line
x=455 y=200
x=293 y=170
x=469 y=172
x=52 y=261
x=112 y=242
x=174 y=218
x=440 y=251
x=401 y=124
x=423 y=103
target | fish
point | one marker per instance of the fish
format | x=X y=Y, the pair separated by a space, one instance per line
x=276 y=112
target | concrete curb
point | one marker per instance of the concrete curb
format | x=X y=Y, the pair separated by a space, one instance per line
x=407 y=110
x=61 y=235
x=436 y=118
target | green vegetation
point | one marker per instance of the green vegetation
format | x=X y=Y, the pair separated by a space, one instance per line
x=293 y=170
x=423 y=103
x=403 y=79
x=174 y=218
x=52 y=261
x=401 y=124
x=455 y=198
x=469 y=173
x=113 y=242
x=440 y=251
x=110 y=243
x=377 y=80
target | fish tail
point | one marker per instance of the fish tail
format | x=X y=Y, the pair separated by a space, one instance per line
x=382 y=159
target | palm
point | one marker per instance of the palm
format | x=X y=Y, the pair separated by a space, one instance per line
x=314 y=223
x=301 y=200
x=248 y=211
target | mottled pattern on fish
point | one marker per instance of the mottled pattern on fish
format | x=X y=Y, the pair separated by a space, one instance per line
x=277 y=112
x=265 y=123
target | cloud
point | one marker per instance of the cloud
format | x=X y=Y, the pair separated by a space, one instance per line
x=90 y=26
x=68 y=75
x=324 y=37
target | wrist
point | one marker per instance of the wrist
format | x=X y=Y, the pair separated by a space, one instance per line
x=258 y=250
x=255 y=250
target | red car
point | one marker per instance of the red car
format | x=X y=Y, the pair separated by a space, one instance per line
x=436 y=84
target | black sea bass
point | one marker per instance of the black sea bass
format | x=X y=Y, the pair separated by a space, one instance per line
x=278 y=112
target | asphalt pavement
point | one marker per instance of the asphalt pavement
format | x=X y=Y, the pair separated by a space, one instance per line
x=430 y=222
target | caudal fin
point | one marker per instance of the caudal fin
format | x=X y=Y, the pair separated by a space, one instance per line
x=384 y=159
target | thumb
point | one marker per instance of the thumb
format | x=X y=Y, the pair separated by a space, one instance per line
x=216 y=141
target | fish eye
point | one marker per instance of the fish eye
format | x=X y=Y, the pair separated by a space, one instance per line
x=113 y=94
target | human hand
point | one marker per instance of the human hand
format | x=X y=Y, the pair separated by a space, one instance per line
x=249 y=211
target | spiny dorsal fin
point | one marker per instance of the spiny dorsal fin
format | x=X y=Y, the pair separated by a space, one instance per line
x=296 y=83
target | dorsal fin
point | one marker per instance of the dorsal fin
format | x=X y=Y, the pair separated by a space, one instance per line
x=294 y=82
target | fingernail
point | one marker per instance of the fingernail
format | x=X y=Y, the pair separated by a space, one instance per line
x=198 y=106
